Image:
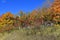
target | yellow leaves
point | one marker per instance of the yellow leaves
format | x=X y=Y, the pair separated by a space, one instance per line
x=7 y=15
x=4 y=21
x=10 y=15
x=11 y=21
x=1 y=19
x=56 y=6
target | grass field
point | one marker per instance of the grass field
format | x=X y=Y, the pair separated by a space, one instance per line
x=41 y=33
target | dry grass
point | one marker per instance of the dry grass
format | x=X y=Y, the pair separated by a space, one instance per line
x=42 y=33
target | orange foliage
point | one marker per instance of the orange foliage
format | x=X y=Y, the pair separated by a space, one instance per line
x=55 y=8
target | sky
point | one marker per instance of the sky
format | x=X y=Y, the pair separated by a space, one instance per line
x=14 y=6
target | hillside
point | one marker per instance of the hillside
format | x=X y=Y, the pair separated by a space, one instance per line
x=40 y=24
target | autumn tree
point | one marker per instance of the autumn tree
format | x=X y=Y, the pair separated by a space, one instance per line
x=6 y=21
x=55 y=9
